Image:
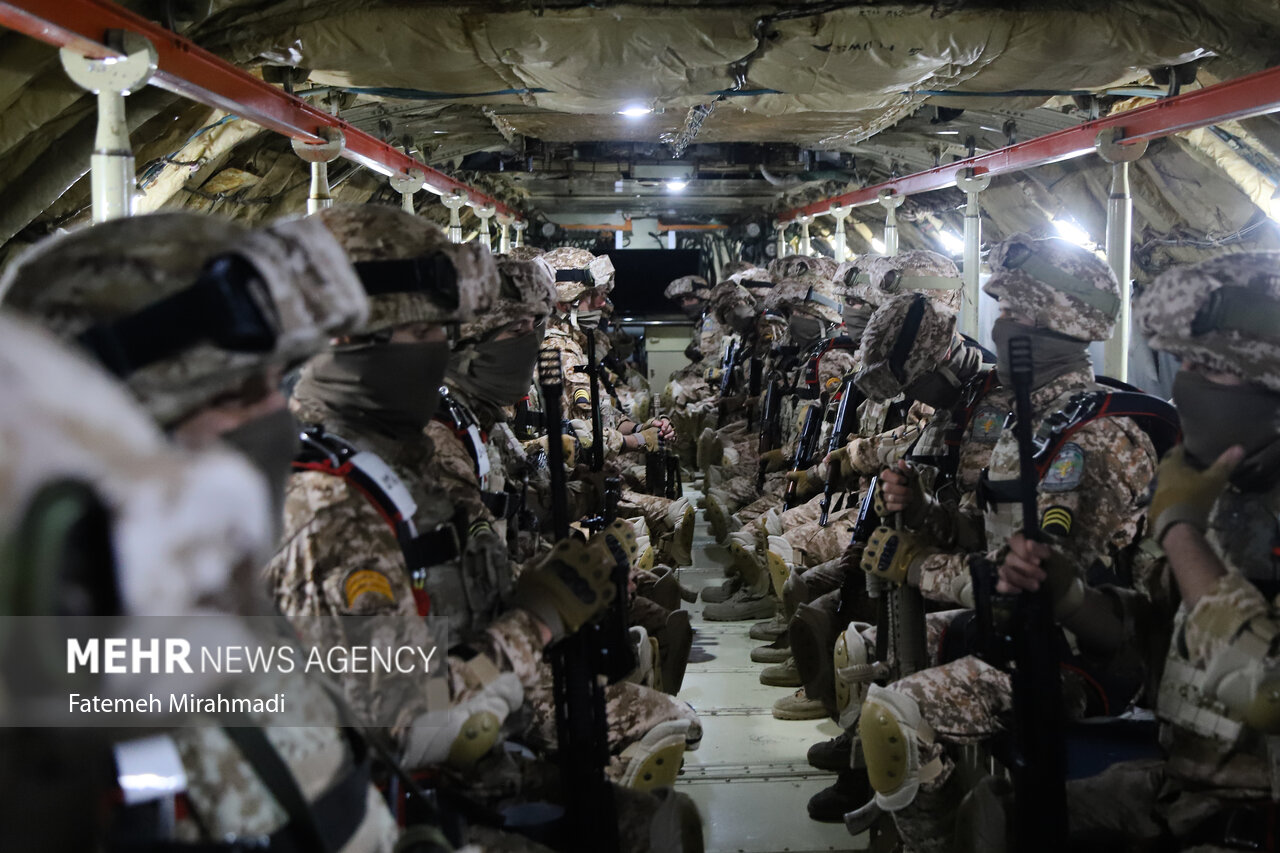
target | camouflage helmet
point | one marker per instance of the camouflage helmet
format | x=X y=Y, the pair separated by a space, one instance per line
x=690 y=286
x=93 y=281
x=851 y=278
x=758 y=282
x=794 y=266
x=734 y=267
x=525 y=253
x=527 y=290
x=372 y=233
x=821 y=299
x=917 y=271
x=188 y=530
x=1061 y=286
x=726 y=296
x=906 y=338
x=1223 y=313
x=578 y=271
x=788 y=294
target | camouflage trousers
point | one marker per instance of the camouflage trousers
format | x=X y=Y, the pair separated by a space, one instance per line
x=633 y=711
x=815 y=544
x=652 y=507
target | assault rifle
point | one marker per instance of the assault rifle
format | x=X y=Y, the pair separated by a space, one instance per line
x=727 y=366
x=755 y=375
x=1039 y=767
x=770 y=429
x=597 y=425
x=846 y=414
x=865 y=524
x=581 y=723
x=806 y=446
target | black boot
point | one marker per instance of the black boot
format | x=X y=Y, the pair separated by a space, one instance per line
x=851 y=790
x=832 y=754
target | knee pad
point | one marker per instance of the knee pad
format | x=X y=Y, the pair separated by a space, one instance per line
x=782 y=548
x=645 y=656
x=891 y=730
x=854 y=672
x=778 y=572
x=772 y=523
x=654 y=761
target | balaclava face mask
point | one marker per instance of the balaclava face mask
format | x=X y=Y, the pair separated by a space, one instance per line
x=270 y=443
x=498 y=372
x=1052 y=354
x=742 y=319
x=1216 y=417
x=393 y=388
x=856 y=318
x=805 y=331
x=941 y=388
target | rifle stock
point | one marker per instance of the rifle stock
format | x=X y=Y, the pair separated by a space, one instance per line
x=850 y=399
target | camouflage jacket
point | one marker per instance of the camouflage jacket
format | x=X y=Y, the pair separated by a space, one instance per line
x=1094 y=486
x=341 y=580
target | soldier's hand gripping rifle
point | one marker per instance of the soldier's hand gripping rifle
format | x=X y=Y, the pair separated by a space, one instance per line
x=581 y=723
x=806 y=446
x=846 y=415
x=1040 y=750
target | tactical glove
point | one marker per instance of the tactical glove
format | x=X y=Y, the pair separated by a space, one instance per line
x=808 y=483
x=774 y=461
x=890 y=553
x=840 y=458
x=1184 y=494
x=574 y=582
x=650 y=437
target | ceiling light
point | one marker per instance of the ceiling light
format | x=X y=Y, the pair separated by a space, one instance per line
x=635 y=111
x=950 y=241
x=1068 y=230
x=677 y=185
x=877 y=245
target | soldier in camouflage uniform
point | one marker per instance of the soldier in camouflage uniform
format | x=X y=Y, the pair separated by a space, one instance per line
x=1062 y=297
x=109 y=285
x=1214 y=512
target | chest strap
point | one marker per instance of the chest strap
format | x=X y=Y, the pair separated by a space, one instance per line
x=368 y=474
x=466 y=427
x=1155 y=417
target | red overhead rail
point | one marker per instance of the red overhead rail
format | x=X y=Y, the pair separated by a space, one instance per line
x=193 y=72
x=1244 y=97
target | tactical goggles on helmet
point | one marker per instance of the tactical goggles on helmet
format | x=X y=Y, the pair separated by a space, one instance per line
x=1239 y=309
x=433 y=276
x=229 y=305
x=1024 y=258
x=896 y=281
x=817 y=298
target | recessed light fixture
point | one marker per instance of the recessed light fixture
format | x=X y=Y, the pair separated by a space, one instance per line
x=1069 y=230
x=635 y=111
x=951 y=242
x=677 y=185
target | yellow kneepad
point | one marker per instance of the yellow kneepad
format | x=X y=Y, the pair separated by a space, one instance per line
x=476 y=737
x=884 y=745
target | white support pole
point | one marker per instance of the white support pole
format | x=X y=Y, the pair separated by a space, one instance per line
x=320 y=156
x=806 y=246
x=406 y=185
x=891 y=203
x=113 y=177
x=781 y=247
x=671 y=238
x=485 y=212
x=504 y=232
x=455 y=201
x=842 y=245
x=619 y=238
x=971 y=185
x=519 y=225
x=1115 y=360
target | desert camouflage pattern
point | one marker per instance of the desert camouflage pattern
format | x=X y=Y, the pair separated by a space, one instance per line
x=688 y=285
x=823 y=287
x=569 y=258
x=373 y=232
x=850 y=278
x=1101 y=482
x=757 y=280
x=724 y=296
x=570 y=343
x=888 y=276
x=934 y=339
x=207 y=512
x=1048 y=306
x=1168 y=309
x=526 y=289
x=230 y=799
x=794 y=266
x=525 y=253
x=93 y=275
x=788 y=294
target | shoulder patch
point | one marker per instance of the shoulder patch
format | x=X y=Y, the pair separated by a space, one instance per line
x=987 y=424
x=368 y=588
x=1066 y=469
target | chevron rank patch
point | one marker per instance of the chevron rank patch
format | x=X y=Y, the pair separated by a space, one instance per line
x=367 y=588
x=988 y=422
x=1057 y=521
x=1065 y=470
